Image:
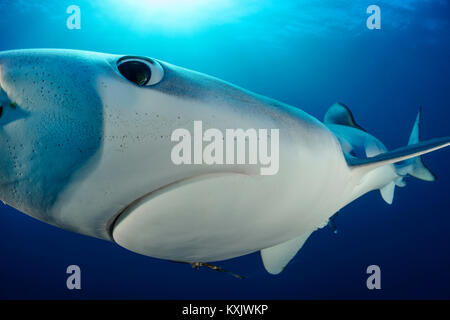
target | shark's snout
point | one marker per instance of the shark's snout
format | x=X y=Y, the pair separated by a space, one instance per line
x=50 y=126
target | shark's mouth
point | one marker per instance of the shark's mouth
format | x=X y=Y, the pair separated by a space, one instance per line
x=160 y=190
x=188 y=219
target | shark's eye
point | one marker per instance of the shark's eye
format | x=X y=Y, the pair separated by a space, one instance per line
x=142 y=72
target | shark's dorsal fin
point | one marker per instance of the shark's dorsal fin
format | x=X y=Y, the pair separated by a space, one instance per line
x=339 y=113
x=277 y=257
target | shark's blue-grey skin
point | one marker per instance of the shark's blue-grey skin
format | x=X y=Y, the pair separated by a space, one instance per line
x=64 y=136
x=87 y=147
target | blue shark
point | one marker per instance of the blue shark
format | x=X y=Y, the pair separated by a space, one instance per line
x=86 y=144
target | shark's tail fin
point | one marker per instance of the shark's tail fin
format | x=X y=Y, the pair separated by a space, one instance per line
x=408 y=160
x=415 y=166
x=409 y=157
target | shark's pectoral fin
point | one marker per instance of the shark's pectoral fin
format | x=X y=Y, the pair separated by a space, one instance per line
x=277 y=257
x=397 y=155
x=387 y=192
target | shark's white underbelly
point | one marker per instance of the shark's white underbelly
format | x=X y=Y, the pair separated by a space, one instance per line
x=217 y=217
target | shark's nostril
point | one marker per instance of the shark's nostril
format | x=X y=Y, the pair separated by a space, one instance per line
x=1 y=111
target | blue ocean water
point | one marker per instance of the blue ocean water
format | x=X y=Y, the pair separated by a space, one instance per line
x=306 y=53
